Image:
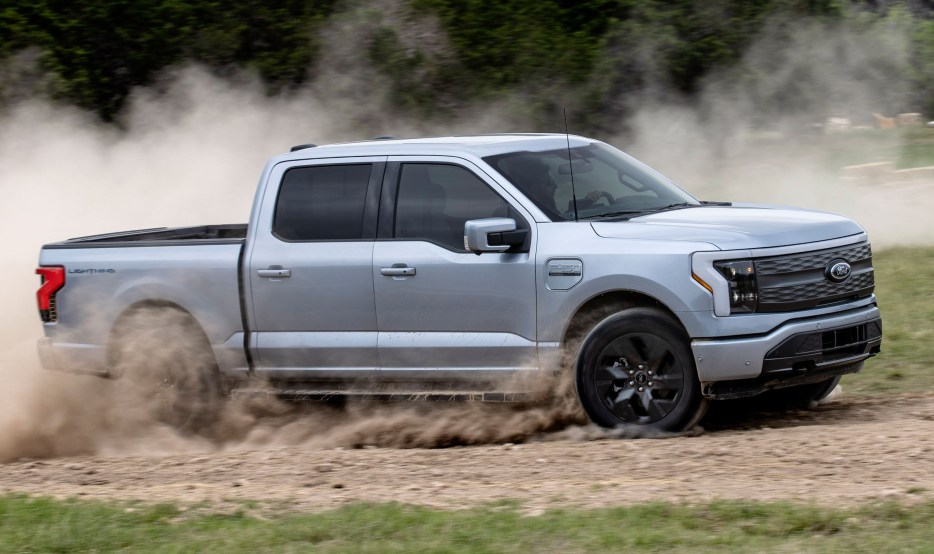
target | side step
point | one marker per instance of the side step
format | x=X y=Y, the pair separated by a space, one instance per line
x=433 y=396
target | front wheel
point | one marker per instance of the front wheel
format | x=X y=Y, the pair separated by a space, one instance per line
x=636 y=368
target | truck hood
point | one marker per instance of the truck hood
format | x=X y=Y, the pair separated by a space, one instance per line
x=736 y=227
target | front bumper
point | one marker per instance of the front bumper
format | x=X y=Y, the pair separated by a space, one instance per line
x=796 y=348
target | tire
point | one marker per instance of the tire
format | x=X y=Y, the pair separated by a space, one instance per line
x=804 y=396
x=164 y=361
x=635 y=368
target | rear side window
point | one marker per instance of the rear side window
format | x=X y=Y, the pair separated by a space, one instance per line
x=435 y=200
x=324 y=202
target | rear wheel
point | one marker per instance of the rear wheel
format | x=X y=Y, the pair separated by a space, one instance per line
x=164 y=362
x=636 y=368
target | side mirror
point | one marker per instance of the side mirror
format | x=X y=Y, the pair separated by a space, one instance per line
x=494 y=234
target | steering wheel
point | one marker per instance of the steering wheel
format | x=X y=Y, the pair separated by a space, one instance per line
x=598 y=195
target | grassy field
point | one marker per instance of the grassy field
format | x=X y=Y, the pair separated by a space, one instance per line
x=904 y=288
x=917 y=149
x=903 y=283
x=911 y=147
x=43 y=525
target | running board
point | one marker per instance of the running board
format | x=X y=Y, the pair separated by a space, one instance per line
x=434 y=396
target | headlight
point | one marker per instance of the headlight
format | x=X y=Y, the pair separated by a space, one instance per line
x=741 y=275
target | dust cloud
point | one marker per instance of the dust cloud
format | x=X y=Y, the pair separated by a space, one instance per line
x=762 y=131
x=189 y=152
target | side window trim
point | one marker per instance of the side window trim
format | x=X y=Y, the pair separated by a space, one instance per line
x=371 y=206
x=387 y=202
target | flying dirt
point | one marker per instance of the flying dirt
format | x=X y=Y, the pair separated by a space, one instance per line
x=844 y=453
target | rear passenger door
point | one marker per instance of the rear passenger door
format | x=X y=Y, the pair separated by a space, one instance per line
x=309 y=269
x=443 y=312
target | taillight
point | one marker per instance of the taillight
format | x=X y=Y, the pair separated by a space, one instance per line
x=53 y=279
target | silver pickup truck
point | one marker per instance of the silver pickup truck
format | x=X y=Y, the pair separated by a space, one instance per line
x=454 y=266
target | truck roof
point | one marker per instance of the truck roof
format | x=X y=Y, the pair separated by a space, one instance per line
x=478 y=145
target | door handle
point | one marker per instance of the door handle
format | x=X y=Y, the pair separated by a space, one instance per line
x=277 y=272
x=397 y=270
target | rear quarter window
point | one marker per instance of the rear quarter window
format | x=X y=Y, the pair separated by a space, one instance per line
x=324 y=202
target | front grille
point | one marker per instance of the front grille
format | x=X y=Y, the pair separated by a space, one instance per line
x=799 y=281
x=814 y=291
x=812 y=260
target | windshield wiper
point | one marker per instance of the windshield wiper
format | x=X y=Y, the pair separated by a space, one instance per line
x=615 y=214
x=676 y=206
x=644 y=211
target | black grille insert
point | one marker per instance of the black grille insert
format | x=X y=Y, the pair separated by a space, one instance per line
x=832 y=340
x=799 y=281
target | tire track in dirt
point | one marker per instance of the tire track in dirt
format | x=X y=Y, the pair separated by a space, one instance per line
x=843 y=452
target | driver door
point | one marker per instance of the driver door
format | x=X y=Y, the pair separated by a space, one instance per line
x=443 y=312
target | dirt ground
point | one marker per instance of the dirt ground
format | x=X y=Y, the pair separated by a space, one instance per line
x=844 y=452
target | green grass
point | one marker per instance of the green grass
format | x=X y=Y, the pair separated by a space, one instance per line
x=904 y=287
x=913 y=147
x=909 y=147
x=44 y=525
x=917 y=149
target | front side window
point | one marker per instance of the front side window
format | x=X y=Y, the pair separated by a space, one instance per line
x=606 y=182
x=435 y=200
x=324 y=202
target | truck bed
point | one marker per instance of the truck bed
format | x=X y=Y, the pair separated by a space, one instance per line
x=160 y=236
x=196 y=269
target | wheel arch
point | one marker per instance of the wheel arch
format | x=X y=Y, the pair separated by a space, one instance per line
x=113 y=335
x=605 y=304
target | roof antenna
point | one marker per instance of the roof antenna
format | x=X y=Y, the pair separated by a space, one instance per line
x=570 y=162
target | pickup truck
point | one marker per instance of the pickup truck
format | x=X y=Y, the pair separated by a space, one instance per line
x=454 y=266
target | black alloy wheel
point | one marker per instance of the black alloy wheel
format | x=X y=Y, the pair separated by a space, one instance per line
x=636 y=368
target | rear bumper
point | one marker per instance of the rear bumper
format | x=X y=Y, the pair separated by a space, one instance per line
x=86 y=359
x=797 y=348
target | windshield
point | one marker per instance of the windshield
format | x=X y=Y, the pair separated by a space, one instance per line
x=606 y=183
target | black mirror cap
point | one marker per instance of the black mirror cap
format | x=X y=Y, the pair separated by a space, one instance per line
x=512 y=239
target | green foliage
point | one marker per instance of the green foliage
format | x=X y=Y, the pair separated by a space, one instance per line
x=515 y=41
x=44 y=525
x=418 y=81
x=596 y=57
x=103 y=49
x=922 y=77
x=606 y=50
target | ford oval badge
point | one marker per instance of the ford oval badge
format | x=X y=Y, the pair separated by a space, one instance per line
x=838 y=271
